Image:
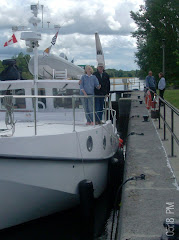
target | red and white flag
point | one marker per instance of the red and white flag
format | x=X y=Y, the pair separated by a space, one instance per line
x=11 y=41
x=54 y=39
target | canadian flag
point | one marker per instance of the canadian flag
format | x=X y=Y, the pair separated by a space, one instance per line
x=11 y=41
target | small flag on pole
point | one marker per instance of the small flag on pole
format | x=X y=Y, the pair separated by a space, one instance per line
x=47 y=50
x=11 y=41
x=54 y=39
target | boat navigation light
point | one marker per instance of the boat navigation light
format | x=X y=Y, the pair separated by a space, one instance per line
x=34 y=8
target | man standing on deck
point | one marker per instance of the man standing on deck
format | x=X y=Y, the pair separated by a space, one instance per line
x=150 y=84
x=104 y=81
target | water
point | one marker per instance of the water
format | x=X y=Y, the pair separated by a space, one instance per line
x=126 y=84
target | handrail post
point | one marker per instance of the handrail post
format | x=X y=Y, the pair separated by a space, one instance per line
x=94 y=110
x=159 y=116
x=172 y=128
x=35 y=115
x=114 y=121
x=73 y=105
x=109 y=107
x=164 y=126
x=105 y=111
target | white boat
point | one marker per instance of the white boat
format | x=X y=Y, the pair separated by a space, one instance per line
x=46 y=149
x=47 y=64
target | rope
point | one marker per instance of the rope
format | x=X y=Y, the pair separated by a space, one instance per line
x=9 y=117
x=82 y=159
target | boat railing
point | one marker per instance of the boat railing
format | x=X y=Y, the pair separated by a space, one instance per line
x=128 y=83
x=169 y=115
x=108 y=112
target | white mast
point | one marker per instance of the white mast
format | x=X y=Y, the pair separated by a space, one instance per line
x=99 y=50
x=31 y=39
x=35 y=20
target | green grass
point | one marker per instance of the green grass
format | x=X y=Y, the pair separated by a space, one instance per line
x=172 y=96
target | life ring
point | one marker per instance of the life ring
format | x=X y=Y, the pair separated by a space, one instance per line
x=42 y=104
x=120 y=143
x=148 y=100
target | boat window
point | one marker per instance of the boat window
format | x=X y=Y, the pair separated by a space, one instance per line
x=19 y=103
x=89 y=143
x=104 y=142
x=66 y=102
x=41 y=101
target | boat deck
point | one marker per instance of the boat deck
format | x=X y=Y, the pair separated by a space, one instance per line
x=47 y=123
x=44 y=128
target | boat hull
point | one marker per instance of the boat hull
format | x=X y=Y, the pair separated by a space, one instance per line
x=31 y=188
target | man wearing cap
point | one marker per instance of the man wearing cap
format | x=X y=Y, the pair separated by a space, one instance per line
x=150 y=84
x=104 y=81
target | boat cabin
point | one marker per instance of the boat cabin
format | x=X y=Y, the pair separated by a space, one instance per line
x=45 y=88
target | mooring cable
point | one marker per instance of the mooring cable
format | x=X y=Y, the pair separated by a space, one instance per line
x=141 y=177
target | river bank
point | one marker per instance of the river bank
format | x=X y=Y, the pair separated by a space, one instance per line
x=172 y=96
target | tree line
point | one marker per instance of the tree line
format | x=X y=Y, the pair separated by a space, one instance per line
x=157 y=37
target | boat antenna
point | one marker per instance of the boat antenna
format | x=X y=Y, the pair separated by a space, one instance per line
x=42 y=6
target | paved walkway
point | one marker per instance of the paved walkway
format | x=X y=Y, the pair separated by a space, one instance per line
x=146 y=203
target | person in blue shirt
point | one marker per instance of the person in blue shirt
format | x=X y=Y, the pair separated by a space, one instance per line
x=87 y=85
x=161 y=85
x=150 y=84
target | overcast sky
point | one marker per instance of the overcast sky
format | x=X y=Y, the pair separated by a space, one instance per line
x=79 y=20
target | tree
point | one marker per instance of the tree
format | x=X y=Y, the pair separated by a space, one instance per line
x=22 y=63
x=157 y=20
x=1 y=66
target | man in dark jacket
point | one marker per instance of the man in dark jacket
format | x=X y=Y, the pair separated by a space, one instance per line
x=104 y=81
